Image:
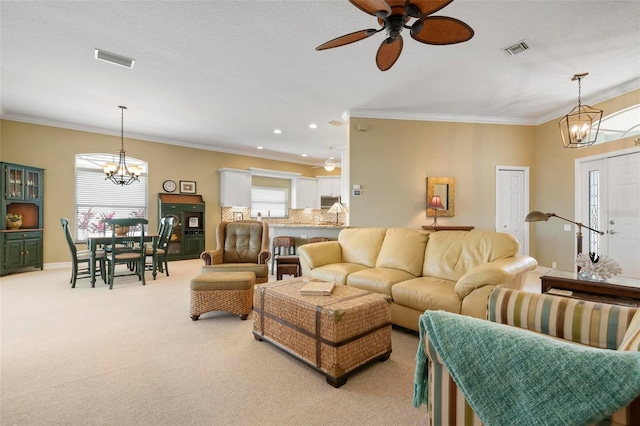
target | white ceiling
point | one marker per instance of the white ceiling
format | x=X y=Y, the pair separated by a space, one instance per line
x=223 y=74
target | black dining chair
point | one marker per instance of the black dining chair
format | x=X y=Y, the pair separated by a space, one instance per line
x=81 y=257
x=127 y=247
x=157 y=257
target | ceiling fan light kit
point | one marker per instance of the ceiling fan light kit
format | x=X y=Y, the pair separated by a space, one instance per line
x=394 y=16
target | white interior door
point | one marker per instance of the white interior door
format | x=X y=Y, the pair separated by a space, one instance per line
x=610 y=202
x=512 y=203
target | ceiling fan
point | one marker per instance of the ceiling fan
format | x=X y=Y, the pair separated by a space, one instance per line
x=330 y=163
x=394 y=15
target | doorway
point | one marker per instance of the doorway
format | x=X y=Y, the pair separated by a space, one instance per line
x=512 y=203
x=608 y=199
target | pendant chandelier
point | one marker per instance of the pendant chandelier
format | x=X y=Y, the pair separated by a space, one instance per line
x=577 y=127
x=120 y=173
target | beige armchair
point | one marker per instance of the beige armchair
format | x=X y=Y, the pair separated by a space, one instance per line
x=241 y=246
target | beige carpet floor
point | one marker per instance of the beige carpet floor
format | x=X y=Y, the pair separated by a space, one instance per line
x=132 y=355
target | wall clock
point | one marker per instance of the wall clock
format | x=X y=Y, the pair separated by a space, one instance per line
x=169 y=185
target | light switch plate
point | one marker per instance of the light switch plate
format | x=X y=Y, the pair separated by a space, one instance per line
x=567 y=228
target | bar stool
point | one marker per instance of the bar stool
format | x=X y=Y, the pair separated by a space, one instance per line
x=289 y=265
x=318 y=239
x=282 y=245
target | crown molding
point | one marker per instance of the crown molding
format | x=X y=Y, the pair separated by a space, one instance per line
x=215 y=148
x=415 y=116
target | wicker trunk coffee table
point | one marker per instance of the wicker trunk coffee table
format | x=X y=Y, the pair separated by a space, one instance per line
x=334 y=334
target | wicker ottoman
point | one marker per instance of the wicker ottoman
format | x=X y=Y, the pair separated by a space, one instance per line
x=334 y=334
x=222 y=291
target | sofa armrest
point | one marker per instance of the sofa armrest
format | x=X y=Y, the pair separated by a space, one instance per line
x=264 y=256
x=315 y=255
x=212 y=257
x=499 y=272
x=595 y=324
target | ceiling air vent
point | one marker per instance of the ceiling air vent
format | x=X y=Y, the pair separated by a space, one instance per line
x=519 y=47
x=123 y=61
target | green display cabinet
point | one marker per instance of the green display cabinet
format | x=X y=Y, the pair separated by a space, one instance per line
x=21 y=231
x=188 y=211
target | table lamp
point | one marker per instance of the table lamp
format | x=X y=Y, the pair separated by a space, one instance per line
x=435 y=203
x=337 y=208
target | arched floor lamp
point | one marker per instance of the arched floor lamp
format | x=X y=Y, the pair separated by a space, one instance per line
x=536 y=216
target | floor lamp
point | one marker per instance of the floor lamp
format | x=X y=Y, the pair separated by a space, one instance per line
x=536 y=216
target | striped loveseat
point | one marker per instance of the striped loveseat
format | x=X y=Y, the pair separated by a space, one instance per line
x=598 y=325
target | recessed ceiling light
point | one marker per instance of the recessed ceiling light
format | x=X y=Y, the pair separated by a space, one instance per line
x=260 y=147
x=277 y=131
x=304 y=155
x=313 y=126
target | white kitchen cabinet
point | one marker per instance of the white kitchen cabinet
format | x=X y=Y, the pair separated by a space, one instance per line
x=329 y=185
x=235 y=188
x=304 y=193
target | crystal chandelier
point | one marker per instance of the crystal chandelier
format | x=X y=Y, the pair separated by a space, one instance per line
x=120 y=173
x=577 y=126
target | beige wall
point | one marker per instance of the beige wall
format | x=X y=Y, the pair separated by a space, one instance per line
x=555 y=184
x=392 y=159
x=54 y=149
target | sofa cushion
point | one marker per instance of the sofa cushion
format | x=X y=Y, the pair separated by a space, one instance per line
x=261 y=270
x=427 y=293
x=361 y=245
x=336 y=272
x=378 y=280
x=403 y=248
x=450 y=254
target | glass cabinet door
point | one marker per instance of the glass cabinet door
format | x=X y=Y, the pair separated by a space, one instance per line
x=14 y=179
x=175 y=241
x=32 y=187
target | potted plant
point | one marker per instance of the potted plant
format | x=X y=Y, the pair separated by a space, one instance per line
x=14 y=220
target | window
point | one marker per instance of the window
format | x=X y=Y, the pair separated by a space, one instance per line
x=269 y=202
x=620 y=124
x=594 y=211
x=98 y=199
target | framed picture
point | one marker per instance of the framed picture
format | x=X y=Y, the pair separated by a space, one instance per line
x=187 y=187
x=238 y=216
x=193 y=222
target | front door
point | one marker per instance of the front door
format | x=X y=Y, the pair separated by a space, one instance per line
x=610 y=202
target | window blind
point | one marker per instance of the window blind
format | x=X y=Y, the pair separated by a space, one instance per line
x=99 y=199
x=269 y=202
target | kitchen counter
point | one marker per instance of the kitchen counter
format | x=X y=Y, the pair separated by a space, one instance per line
x=308 y=225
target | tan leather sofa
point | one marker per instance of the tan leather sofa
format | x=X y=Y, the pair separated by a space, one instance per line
x=450 y=270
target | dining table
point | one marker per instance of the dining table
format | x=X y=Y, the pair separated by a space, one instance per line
x=94 y=242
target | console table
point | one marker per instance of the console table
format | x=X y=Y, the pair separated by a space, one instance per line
x=447 y=228
x=616 y=290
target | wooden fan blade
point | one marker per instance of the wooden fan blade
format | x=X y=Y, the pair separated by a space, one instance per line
x=389 y=52
x=427 y=7
x=440 y=30
x=347 y=39
x=372 y=7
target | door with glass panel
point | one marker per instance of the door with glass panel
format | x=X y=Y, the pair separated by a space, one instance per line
x=610 y=202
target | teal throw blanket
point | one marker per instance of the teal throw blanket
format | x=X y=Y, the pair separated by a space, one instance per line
x=512 y=376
